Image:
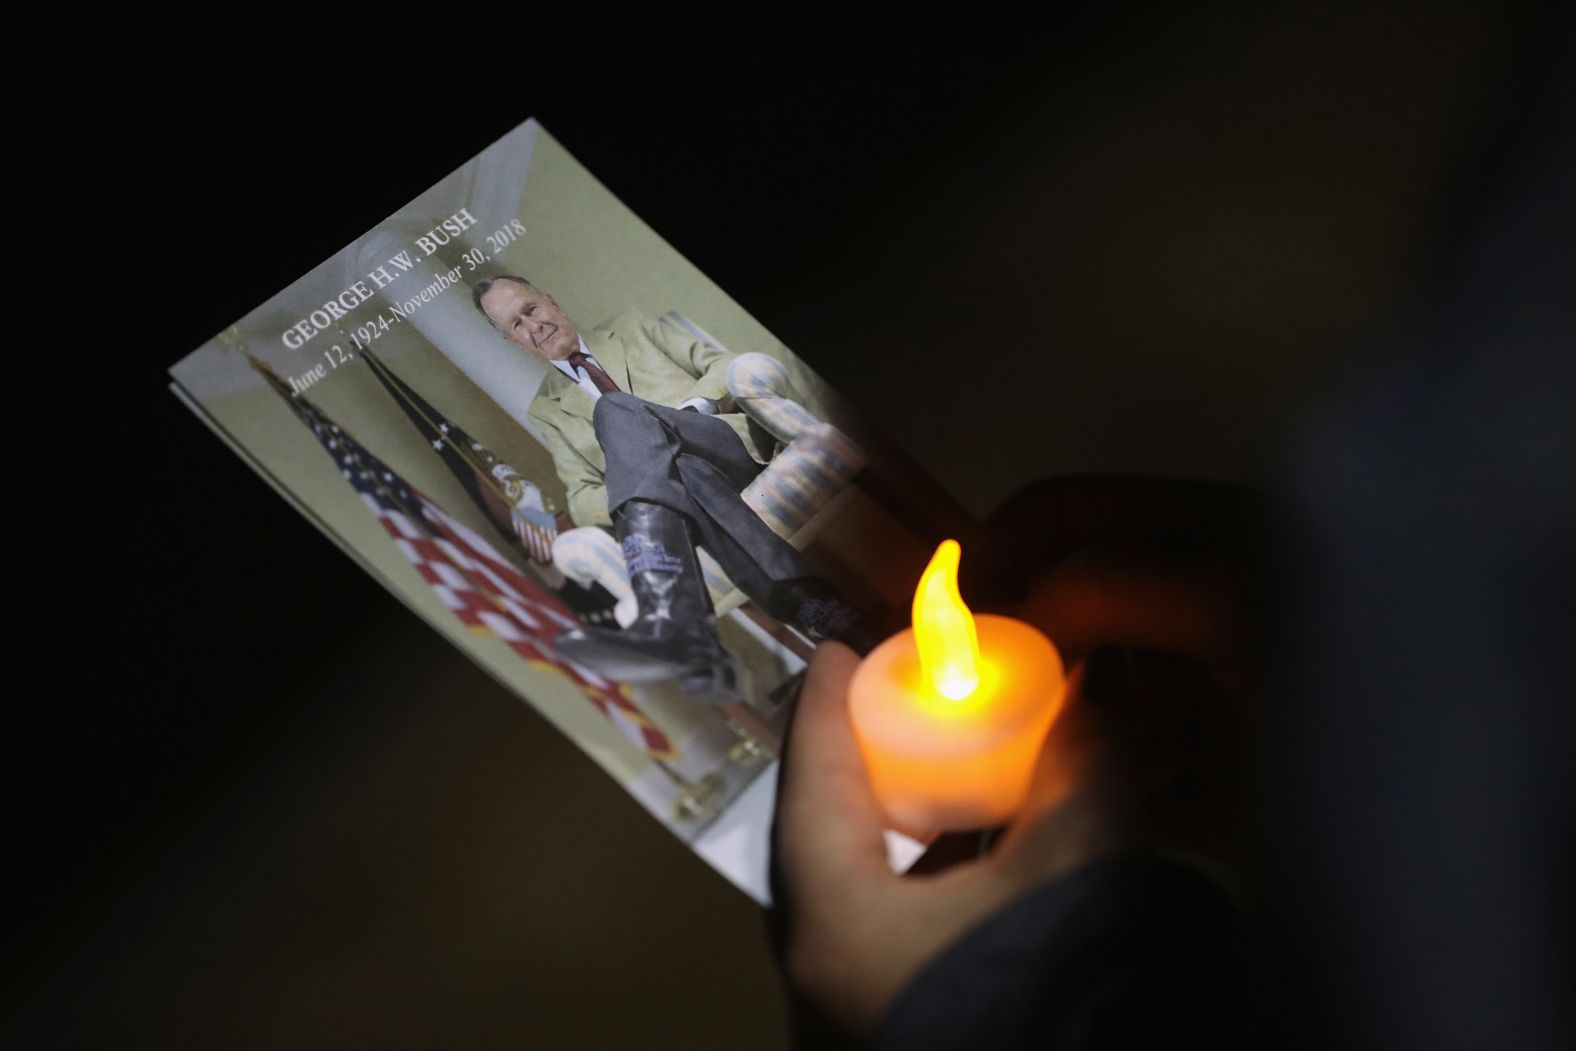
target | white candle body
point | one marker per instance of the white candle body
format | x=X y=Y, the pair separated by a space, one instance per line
x=940 y=765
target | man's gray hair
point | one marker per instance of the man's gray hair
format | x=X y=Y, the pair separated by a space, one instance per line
x=480 y=289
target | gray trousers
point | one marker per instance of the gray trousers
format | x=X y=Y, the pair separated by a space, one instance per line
x=696 y=465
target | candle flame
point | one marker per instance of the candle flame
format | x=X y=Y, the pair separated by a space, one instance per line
x=949 y=647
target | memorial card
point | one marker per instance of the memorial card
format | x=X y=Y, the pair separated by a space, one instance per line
x=577 y=458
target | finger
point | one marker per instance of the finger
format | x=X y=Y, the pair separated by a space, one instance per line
x=1050 y=519
x=1189 y=604
x=828 y=827
x=1067 y=818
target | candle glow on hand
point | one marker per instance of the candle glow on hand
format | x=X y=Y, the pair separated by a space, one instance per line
x=949 y=648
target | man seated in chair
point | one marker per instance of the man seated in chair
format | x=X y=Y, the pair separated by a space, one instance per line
x=631 y=419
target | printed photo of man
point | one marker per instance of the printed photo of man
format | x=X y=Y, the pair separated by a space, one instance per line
x=631 y=414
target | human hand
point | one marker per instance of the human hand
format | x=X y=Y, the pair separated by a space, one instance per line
x=1144 y=753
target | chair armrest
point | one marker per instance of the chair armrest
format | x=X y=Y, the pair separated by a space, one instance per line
x=760 y=386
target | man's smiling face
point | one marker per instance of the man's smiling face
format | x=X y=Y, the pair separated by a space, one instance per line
x=531 y=319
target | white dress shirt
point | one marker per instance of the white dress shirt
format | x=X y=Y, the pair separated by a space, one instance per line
x=583 y=378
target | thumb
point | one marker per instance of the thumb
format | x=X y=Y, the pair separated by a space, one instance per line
x=828 y=827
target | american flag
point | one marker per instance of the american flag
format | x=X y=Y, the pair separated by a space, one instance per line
x=510 y=502
x=487 y=593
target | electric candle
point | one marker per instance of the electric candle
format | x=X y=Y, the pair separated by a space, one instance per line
x=951 y=713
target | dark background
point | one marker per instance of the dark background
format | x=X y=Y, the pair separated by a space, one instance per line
x=265 y=806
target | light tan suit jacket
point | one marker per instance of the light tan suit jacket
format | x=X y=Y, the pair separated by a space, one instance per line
x=651 y=358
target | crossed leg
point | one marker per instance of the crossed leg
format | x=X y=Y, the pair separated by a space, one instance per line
x=696 y=465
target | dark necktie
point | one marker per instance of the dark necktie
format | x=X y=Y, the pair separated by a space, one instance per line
x=603 y=382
